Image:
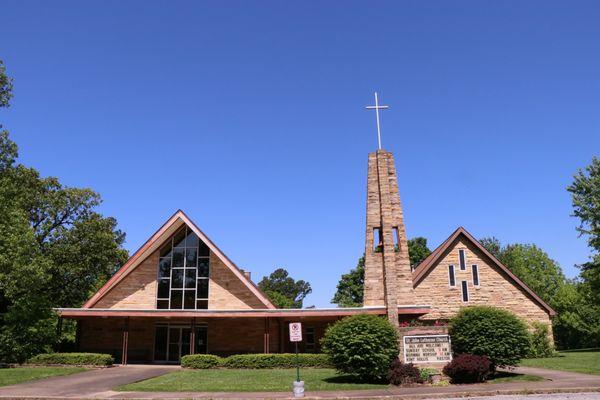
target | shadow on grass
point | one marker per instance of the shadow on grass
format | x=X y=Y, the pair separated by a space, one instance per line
x=505 y=376
x=591 y=350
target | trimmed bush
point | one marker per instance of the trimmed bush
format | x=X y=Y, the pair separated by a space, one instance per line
x=361 y=345
x=468 y=368
x=201 y=361
x=403 y=374
x=426 y=373
x=540 y=345
x=263 y=361
x=72 y=359
x=492 y=332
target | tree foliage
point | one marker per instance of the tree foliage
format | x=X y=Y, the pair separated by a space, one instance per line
x=361 y=345
x=417 y=250
x=5 y=86
x=531 y=264
x=55 y=250
x=283 y=290
x=492 y=332
x=350 y=288
x=585 y=192
x=577 y=323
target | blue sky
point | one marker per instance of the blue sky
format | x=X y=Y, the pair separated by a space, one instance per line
x=250 y=117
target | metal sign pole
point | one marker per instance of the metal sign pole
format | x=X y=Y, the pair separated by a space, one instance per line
x=297 y=364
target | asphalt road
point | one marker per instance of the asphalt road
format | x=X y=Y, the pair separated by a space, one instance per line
x=555 y=396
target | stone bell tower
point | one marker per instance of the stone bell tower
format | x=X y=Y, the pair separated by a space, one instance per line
x=388 y=276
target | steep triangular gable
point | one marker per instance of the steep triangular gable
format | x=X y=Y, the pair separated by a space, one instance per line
x=431 y=261
x=165 y=231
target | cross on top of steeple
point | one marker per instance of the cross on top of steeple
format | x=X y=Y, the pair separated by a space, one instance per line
x=377 y=107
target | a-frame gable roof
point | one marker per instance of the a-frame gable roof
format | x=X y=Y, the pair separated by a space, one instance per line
x=431 y=261
x=176 y=221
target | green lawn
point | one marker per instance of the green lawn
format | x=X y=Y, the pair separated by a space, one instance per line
x=587 y=362
x=247 y=380
x=12 y=376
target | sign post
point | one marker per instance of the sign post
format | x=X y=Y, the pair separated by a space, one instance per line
x=295 y=337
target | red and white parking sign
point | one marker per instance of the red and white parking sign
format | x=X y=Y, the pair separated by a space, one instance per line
x=295 y=332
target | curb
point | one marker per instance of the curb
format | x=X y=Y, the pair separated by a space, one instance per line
x=453 y=395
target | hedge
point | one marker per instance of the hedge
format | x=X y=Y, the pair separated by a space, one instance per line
x=201 y=361
x=72 y=359
x=255 y=361
x=285 y=360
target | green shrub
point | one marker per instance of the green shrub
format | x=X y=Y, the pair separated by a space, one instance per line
x=491 y=332
x=201 y=361
x=72 y=359
x=427 y=372
x=361 y=345
x=540 y=345
x=265 y=361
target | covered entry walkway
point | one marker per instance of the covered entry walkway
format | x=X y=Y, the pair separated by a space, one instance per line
x=164 y=336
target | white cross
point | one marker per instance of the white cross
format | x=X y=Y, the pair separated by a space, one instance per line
x=377 y=107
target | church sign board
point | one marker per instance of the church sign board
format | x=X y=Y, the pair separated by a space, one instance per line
x=427 y=349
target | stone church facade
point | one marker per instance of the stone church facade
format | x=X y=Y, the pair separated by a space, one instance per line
x=180 y=294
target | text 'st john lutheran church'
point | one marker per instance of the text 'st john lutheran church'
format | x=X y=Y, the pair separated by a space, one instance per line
x=179 y=293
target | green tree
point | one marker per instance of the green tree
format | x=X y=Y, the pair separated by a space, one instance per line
x=5 y=86
x=585 y=192
x=283 y=290
x=532 y=265
x=55 y=250
x=492 y=244
x=350 y=288
x=417 y=250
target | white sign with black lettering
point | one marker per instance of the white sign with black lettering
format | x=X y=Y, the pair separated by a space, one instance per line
x=427 y=349
x=295 y=332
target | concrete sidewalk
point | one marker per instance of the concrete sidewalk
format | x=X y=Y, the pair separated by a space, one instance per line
x=98 y=384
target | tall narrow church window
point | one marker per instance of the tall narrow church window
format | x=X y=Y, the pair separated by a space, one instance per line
x=465 y=291
x=377 y=240
x=396 y=236
x=183 y=270
x=462 y=259
x=475 y=272
x=451 y=277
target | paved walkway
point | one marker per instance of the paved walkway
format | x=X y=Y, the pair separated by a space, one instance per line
x=98 y=384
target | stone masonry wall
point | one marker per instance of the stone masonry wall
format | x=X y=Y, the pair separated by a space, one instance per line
x=138 y=289
x=495 y=288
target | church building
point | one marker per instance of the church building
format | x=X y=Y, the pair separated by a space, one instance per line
x=180 y=294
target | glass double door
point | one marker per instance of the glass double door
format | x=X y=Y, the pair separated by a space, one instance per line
x=171 y=342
